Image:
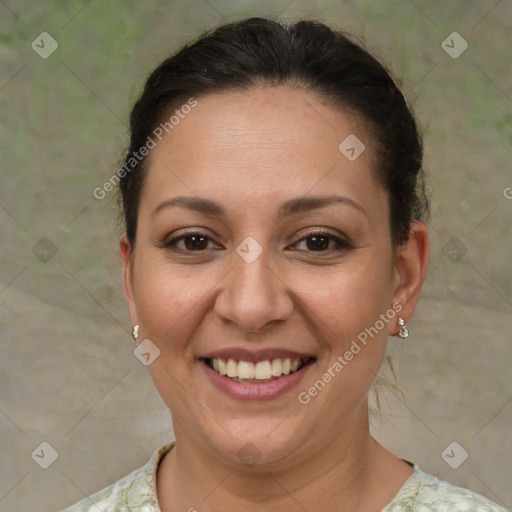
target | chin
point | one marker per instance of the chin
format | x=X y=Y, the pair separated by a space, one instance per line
x=257 y=445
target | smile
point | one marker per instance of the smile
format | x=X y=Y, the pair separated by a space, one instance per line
x=263 y=375
x=259 y=372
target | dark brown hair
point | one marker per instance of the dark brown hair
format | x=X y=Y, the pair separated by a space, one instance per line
x=305 y=54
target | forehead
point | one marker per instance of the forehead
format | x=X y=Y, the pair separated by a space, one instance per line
x=264 y=144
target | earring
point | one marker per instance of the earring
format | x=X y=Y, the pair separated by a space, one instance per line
x=135 y=333
x=403 y=332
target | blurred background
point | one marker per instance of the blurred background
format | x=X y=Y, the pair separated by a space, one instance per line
x=70 y=72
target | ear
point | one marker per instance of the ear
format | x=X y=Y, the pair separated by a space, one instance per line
x=125 y=251
x=410 y=269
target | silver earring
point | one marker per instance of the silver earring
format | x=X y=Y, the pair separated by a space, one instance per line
x=403 y=332
x=135 y=333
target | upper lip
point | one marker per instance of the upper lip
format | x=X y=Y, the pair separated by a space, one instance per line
x=242 y=354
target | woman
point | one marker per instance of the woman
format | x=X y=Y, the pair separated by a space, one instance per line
x=273 y=199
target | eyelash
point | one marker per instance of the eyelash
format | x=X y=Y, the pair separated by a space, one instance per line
x=342 y=245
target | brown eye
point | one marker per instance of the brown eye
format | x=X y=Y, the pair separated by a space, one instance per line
x=317 y=243
x=193 y=242
x=323 y=242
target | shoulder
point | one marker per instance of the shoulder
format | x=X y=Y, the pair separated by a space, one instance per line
x=423 y=492
x=134 y=492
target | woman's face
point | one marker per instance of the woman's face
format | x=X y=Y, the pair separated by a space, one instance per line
x=277 y=255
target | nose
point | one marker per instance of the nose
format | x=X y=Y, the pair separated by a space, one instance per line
x=254 y=295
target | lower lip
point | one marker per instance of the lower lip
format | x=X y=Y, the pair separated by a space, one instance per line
x=250 y=391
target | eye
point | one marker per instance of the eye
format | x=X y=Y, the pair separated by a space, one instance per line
x=321 y=241
x=190 y=242
x=315 y=241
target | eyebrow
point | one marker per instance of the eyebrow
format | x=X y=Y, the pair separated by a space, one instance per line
x=289 y=207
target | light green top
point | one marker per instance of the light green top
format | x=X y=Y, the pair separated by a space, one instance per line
x=421 y=493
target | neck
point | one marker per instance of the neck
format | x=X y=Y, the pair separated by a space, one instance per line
x=336 y=474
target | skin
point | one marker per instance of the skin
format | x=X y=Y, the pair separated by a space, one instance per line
x=250 y=152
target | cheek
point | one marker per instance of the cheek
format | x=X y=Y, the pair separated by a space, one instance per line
x=173 y=300
x=345 y=308
x=169 y=299
x=346 y=299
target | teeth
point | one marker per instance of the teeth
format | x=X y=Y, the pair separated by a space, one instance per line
x=277 y=368
x=262 y=370
x=246 y=370
x=222 y=366
x=232 y=368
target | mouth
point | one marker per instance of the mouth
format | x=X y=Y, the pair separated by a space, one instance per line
x=258 y=372
x=246 y=376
